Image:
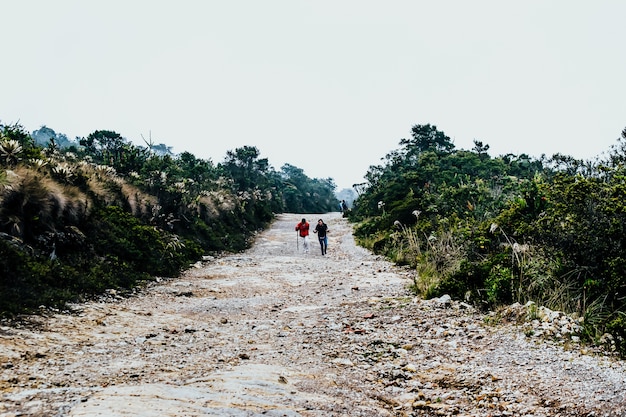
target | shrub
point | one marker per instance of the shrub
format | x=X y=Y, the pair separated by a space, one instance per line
x=498 y=285
x=617 y=328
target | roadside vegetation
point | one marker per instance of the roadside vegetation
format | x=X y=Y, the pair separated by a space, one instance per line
x=499 y=230
x=81 y=217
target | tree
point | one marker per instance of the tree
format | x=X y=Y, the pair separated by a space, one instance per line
x=480 y=148
x=200 y=170
x=245 y=168
x=427 y=137
x=104 y=145
x=43 y=135
x=302 y=194
x=161 y=149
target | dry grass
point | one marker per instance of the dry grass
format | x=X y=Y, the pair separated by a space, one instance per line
x=30 y=196
x=434 y=257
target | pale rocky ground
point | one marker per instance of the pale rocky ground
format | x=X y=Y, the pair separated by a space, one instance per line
x=275 y=332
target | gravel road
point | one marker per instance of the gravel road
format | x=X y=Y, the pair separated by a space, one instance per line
x=277 y=332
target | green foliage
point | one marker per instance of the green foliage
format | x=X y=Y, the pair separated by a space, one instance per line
x=427 y=138
x=30 y=279
x=468 y=282
x=497 y=230
x=302 y=194
x=16 y=145
x=119 y=236
x=616 y=327
x=77 y=218
x=498 y=285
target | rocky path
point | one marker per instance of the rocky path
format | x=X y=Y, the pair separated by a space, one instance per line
x=275 y=332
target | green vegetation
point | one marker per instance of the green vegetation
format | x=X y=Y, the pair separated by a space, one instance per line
x=80 y=217
x=492 y=231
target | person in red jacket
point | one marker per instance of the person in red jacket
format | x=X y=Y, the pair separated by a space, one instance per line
x=303 y=229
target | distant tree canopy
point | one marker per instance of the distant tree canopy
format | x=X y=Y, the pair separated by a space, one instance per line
x=305 y=195
x=45 y=136
x=246 y=169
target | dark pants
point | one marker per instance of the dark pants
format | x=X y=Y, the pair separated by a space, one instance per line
x=323 y=244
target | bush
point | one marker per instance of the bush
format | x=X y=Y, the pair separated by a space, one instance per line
x=119 y=237
x=498 y=285
x=617 y=328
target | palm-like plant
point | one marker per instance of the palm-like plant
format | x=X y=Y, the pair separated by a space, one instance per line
x=10 y=151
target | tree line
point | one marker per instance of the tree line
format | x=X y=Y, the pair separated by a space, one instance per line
x=498 y=230
x=78 y=217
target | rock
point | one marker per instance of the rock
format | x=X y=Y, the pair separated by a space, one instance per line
x=410 y=368
x=444 y=301
x=343 y=361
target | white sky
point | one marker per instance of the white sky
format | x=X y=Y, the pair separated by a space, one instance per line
x=329 y=86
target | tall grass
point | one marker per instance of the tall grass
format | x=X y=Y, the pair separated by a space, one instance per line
x=433 y=256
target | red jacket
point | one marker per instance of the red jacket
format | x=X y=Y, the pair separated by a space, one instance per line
x=303 y=228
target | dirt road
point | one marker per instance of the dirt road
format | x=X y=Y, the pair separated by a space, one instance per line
x=276 y=332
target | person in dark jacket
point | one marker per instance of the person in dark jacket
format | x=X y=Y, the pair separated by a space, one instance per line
x=321 y=229
x=344 y=208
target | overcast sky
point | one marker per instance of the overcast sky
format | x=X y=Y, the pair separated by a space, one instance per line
x=330 y=86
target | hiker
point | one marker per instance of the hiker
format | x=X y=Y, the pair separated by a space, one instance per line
x=344 y=208
x=303 y=229
x=321 y=229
